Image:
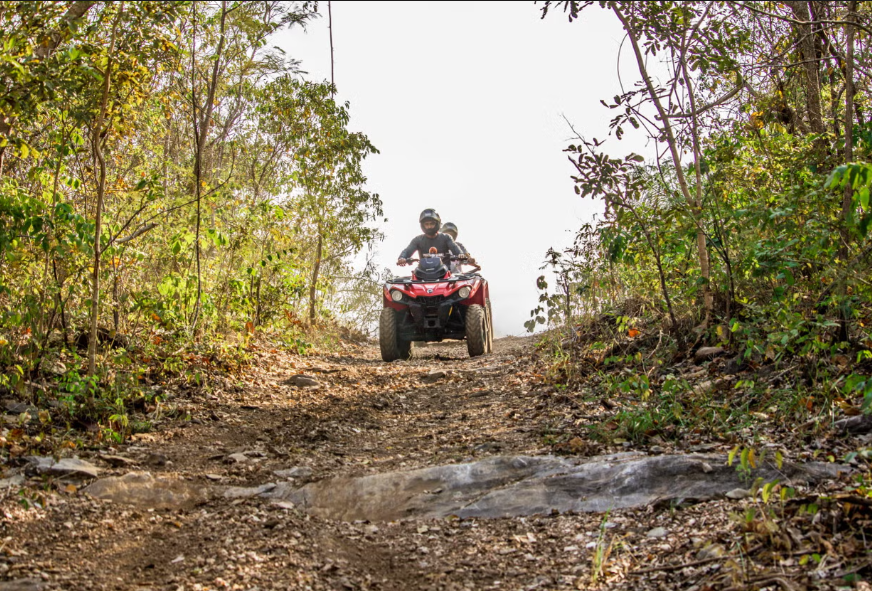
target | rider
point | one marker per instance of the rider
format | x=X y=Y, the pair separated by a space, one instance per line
x=451 y=229
x=431 y=238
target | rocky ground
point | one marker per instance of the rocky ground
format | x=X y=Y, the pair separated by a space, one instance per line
x=200 y=522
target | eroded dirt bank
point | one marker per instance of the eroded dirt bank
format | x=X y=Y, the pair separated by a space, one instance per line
x=359 y=417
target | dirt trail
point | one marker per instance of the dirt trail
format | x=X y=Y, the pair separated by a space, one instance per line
x=363 y=417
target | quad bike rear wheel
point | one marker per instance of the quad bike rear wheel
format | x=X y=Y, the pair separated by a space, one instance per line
x=391 y=345
x=476 y=330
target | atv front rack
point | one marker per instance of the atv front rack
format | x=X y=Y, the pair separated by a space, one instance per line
x=452 y=279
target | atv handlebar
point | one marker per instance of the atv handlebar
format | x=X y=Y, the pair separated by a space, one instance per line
x=451 y=257
x=436 y=255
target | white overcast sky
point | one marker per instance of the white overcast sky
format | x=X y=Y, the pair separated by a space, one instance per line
x=465 y=101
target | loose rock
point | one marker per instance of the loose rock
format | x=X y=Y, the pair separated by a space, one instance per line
x=16 y=480
x=433 y=377
x=48 y=465
x=141 y=489
x=117 y=460
x=244 y=492
x=303 y=381
x=738 y=493
x=706 y=353
x=295 y=473
x=22 y=585
x=857 y=425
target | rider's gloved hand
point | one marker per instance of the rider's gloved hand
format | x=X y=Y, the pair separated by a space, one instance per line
x=470 y=260
x=401 y=262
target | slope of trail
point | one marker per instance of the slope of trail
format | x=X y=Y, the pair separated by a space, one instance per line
x=357 y=417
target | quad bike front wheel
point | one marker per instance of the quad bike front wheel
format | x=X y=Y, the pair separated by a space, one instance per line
x=490 y=327
x=391 y=345
x=476 y=330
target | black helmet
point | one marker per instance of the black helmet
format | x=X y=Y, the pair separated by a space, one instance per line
x=450 y=229
x=430 y=214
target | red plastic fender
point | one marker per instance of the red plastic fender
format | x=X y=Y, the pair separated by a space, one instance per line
x=480 y=293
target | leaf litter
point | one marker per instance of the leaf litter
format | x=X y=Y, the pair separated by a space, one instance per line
x=365 y=417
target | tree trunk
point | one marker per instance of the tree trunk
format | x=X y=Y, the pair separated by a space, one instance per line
x=100 y=168
x=848 y=195
x=696 y=205
x=810 y=63
x=312 y=288
x=202 y=122
x=704 y=265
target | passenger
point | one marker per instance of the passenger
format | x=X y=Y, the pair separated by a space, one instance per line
x=431 y=238
x=456 y=266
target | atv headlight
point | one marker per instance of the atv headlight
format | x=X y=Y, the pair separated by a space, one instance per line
x=397 y=295
x=464 y=292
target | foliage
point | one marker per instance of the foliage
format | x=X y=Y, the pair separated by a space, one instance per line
x=98 y=129
x=751 y=222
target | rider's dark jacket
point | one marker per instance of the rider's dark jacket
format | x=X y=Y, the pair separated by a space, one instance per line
x=423 y=243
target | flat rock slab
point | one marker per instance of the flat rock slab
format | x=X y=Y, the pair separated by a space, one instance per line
x=22 y=585
x=506 y=486
x=49 y=465
x=141 y=489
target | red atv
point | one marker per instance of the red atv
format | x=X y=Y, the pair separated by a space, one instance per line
x=434 y=304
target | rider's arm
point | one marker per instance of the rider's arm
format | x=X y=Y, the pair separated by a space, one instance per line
x=410 y=250
x=462 y=248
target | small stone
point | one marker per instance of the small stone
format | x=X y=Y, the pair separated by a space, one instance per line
x=48 y=465
x=303 y=381
x=15 y=480
x=657 y=532
x=54 y=367
x=703 y=447
x=434 y=376
x=296 y=473
x=17 y=408
x=488 y=446
x=22 y=585
x=215 y=477
x=237 y=458
x=706 y=467
x=244 y=492
x=734 y=365
x=656 y=449
x=710 y=551
x=117 y=460
x=738 y=493
x=706 y=353
x=156 y=459
x=703 y=387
